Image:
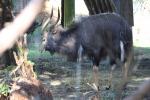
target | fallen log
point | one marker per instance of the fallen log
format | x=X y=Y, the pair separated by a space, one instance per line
x=141 y=93
x=29 y=89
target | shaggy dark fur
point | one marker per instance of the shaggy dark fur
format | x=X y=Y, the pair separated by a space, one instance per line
x=99 y=35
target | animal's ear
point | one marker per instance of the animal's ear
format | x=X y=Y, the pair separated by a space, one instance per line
x=58 y=30
x=73 y=26
x=61 y=28
x=54 y=31
x=45 y=36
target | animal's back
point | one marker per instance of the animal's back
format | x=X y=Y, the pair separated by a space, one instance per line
x=105 y=31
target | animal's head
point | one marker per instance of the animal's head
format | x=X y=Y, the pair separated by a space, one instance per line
x=60 y=41
x=48 y=29
x=57 y=39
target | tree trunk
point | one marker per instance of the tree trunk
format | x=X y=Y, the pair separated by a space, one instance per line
x=122 y=7
x=68 y=12
x=100 y=6
x=126 y=10
x=5 y=17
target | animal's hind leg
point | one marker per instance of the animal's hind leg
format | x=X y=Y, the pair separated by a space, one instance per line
x=122 y=84
x=111 y=76
x=127 y=67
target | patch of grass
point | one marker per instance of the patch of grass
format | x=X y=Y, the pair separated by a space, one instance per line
x=33 y=54
x=145 y=50
x=4 y=89
x=8 y=68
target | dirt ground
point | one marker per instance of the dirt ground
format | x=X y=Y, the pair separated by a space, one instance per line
x=69 y=81
x=61 y=77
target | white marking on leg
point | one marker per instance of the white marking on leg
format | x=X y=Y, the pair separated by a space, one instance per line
x=78 y=74
x=80 y=53
x=122 y=51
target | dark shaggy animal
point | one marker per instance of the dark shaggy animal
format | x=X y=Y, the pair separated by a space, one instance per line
x=99 y=35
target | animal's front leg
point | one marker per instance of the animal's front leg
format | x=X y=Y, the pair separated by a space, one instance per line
x=95 y=85
x=95 y=77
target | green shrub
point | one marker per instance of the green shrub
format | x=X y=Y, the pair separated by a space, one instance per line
x=4 y=89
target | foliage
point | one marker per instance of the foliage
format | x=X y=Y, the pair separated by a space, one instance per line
x=4 y=89
x=8 y=68
x=33 y=53
x=140 y=4
x=34 y=40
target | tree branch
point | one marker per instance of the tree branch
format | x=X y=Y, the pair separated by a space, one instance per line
x=22 y=22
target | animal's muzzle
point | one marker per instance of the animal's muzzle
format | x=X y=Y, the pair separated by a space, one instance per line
x=42 y=48
x=50 y=49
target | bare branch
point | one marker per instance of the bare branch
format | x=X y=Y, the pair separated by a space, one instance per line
x=10 y=34
x=143 y=90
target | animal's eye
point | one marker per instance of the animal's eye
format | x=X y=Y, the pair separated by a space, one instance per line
x=44 y=40
x=54 y=32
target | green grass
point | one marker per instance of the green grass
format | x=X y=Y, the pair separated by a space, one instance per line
x=145 y=50
x=4 y=89
x=34 y=53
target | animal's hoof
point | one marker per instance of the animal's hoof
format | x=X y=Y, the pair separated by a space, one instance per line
x=94 y=86
x=137 y=74
x=108 y=87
